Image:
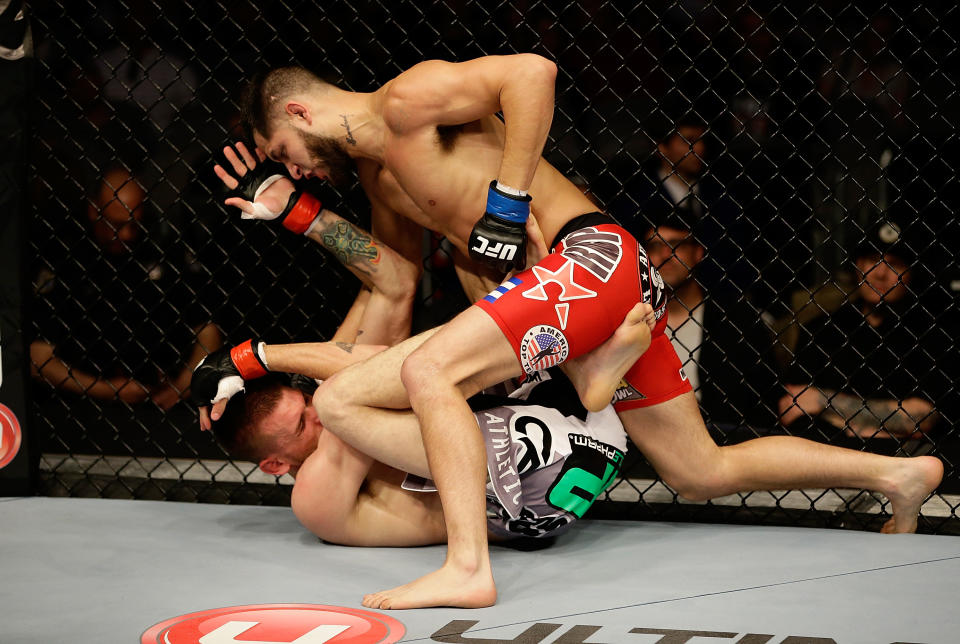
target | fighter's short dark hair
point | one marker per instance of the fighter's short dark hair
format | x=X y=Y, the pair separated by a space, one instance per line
x=236 y=430
x=263 y=96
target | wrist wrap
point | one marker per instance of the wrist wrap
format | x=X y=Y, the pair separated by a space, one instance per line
x=248 y=363
x=508 y=207
x=303 y=208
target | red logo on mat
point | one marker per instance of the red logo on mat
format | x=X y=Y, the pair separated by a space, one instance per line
x=9 y=435
x=277 y=624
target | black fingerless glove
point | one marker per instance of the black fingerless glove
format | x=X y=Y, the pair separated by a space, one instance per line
x=301 y=210
x=222 y=373
x=499 y=239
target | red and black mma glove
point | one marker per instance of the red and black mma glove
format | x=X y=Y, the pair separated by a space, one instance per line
x=499 y=239
x=302 y=208
x=222 y=373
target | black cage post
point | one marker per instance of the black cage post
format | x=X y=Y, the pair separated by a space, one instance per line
x=17 y=448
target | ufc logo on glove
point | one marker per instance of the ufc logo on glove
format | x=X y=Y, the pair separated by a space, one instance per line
x=499 y=250
x=499 y=239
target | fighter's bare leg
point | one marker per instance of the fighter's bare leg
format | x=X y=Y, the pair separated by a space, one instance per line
x=674 y=439
x=375 y=381
x=372 y=383
x=467 y=354
x=596 y=375
x=438 y=378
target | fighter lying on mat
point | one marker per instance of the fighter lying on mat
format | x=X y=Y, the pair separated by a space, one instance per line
x=547 y=457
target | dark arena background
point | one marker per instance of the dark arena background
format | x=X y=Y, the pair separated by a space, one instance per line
x=816 y=128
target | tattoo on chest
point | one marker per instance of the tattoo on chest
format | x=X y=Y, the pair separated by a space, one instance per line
x=346 y=125
x=350 y=244
x=345 y=346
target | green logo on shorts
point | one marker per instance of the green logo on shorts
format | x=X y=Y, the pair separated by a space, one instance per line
x=577 y=489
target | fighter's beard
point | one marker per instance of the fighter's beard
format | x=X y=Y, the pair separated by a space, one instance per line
x=327 y=153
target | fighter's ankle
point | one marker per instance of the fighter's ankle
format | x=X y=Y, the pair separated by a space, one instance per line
x=467 y=565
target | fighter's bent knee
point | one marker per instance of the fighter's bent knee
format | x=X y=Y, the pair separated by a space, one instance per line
x=330 y=401
x=419 y=371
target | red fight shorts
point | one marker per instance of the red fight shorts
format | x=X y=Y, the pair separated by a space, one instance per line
x=576 y=297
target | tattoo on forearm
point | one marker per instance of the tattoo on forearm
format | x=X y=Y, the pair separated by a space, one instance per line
x=346 y=346
x=352 y=246
x=346 y=125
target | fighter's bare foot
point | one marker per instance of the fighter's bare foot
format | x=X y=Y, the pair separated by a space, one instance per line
x=448 y=586
x=596 y=375
x=913 y=482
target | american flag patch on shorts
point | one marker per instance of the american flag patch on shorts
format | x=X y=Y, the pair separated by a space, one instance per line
x=509 y=285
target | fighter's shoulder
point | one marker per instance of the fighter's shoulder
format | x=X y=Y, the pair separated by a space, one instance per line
x=415 y=83
x=316 y=466
x=409 y=97
x=315 y=485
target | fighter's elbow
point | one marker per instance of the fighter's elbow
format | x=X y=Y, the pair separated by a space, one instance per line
x=535 y=69
x=403 y=283
x=547 y=67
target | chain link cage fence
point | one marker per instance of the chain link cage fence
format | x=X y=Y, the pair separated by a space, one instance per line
x=808 y=130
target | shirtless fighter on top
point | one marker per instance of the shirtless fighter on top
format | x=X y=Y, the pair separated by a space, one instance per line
x=426 y=146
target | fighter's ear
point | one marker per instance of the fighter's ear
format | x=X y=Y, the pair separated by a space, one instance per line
x=299 y=112
x=274 y=466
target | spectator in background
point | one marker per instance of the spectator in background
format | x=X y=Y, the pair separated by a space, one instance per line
x=676 y=179
x=725 y=347
x=679 y=186
x=141 y=65
x=156 y=82
x=116 y=321
x=869 y=369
